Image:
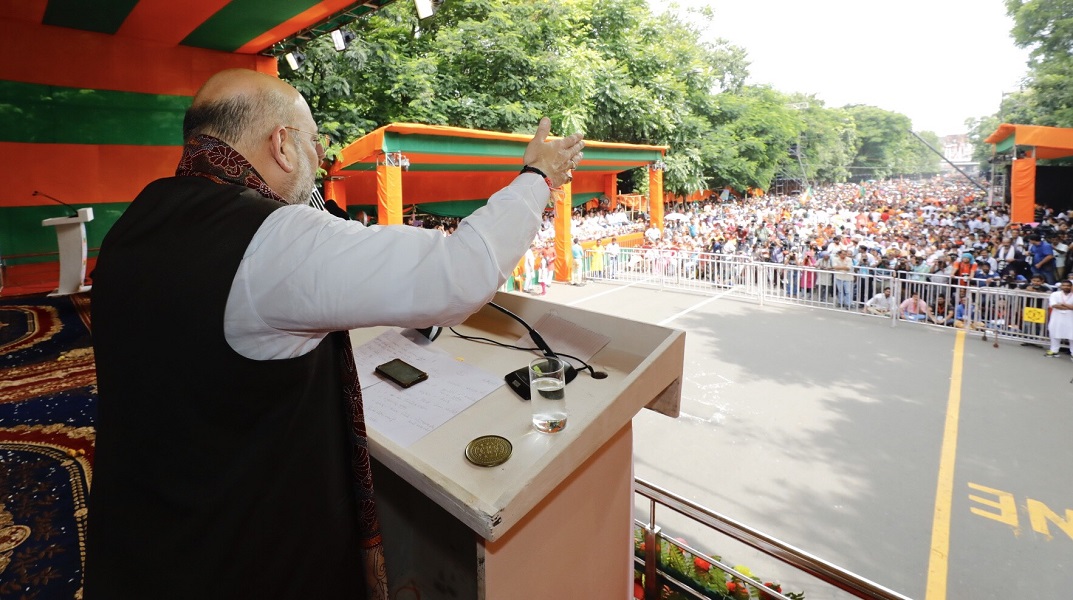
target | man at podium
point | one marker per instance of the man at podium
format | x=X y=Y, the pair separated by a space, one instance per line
x=230 y=459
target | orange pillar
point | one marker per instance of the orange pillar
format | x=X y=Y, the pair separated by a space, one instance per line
x=564 y=257
x=611 y=190
x=1023 y=191
x=388 y=195
x=655 y=195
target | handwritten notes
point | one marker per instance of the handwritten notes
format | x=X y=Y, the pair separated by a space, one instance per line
x=406 y=415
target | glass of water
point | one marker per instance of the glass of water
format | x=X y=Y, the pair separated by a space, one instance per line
x=547 y=394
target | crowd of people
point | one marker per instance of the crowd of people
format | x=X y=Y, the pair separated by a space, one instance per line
x=841 y=243
x=935 y=230
x=932 y=240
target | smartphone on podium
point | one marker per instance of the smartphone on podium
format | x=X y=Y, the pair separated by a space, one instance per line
x=401 y=372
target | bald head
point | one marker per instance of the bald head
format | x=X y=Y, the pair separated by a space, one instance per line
x=240 y=107
x=267 y=121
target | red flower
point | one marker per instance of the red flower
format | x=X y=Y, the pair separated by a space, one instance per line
x=638 y=590
x=701 y=564
x=774 y=586
x=737 y=590
x=641 y=547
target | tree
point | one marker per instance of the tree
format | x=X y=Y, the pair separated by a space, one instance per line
x=754 y=129
x=827 y=143
x=979 y=130
x=654 y=84
x=502 y=65
x=609 y=68
x=924 y=160
x=381 y=77
x=1017 y=107
x=1046 y=26
x=882 y=142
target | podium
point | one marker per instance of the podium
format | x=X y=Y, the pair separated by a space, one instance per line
x=71 y=238
x=553 y=521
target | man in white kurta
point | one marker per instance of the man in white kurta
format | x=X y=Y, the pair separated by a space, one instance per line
x=1060 y=325
x=528 y=269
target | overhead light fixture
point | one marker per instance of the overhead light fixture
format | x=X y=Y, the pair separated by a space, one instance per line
x=295 y=59
x=426 y=8
x=341 y=38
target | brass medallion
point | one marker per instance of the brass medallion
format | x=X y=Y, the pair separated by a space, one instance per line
x=489 y=450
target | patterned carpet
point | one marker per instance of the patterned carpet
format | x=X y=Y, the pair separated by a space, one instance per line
x=48 y=402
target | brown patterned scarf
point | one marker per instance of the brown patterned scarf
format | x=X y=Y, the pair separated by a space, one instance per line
x=206 y=156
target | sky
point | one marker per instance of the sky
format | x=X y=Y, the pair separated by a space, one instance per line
x=939 y=62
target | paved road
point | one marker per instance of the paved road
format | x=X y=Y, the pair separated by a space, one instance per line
x=827 y=429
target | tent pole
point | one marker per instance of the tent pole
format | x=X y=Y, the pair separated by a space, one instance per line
x=563 y=247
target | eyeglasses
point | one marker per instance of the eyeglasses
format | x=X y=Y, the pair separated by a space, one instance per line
x=320 y=140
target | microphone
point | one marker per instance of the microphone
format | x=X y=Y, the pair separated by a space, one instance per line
x=74 y=213
x=518 y=380
x=429 y=333
x=334 y=208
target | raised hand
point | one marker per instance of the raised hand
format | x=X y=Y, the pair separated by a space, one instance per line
x=555 y=158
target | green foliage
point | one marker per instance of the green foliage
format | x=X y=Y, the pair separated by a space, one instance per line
x=700 y=573
x=924 y=160
x=609 y=68
x=883 y=142
x=1017 y=107
x=827 y=143
x=979 y=130
x=1045 y=26
x=754 y=130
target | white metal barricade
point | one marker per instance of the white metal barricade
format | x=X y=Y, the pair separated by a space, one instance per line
x=1009 y=313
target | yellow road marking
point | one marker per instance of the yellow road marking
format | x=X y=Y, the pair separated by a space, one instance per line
x=944 y=493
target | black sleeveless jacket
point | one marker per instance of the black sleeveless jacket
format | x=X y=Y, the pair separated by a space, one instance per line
x=215 y=476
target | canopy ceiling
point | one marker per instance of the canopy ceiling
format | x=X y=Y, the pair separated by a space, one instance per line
x=1049 y=142
x=239 y=26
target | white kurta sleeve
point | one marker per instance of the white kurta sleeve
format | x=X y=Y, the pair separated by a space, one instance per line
x=306 y=273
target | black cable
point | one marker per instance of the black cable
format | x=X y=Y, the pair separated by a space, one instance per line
x=593 y=372
x=545 y=348
x=533 y=334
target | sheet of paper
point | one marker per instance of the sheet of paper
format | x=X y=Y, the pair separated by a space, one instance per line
x=566 y=337
x=406 y=415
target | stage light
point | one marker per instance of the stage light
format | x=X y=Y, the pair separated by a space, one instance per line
x=426 y=8
x=341 y=38
x=295 y=59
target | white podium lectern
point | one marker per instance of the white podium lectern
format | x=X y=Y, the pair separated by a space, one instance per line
x=555 y=520
x=71 y=237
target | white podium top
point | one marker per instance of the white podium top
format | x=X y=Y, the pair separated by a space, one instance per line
x=84 y=216
x=644 y=364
